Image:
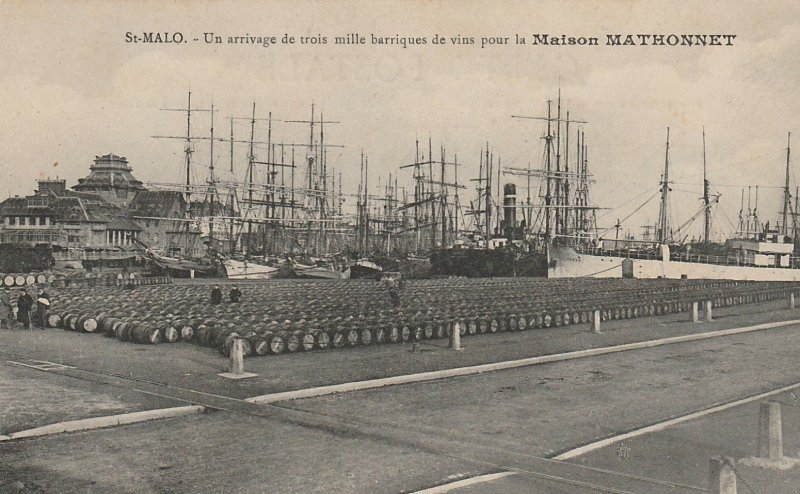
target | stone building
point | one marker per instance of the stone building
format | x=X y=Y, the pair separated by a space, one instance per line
x=104 y=213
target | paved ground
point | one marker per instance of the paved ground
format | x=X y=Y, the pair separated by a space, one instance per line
x=32 y=398
x=681 y=454
x=390 y=440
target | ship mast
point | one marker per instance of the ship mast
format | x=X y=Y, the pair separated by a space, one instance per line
x=664 y=235
x=706 y=205
x=786 y=194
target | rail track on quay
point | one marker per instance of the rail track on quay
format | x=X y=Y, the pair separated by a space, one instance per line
x=484 y=456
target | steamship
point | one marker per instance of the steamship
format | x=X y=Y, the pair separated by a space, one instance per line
x=758 y=253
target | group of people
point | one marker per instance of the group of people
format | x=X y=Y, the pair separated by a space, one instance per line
x=216 y=295
x=26 y=306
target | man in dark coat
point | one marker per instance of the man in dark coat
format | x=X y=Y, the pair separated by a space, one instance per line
x=24 y=305
x=42 y=304
x=216 y=295
x=5 y=310
x=235 y=294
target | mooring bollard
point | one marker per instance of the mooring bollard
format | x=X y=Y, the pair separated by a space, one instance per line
x=770 y=433
x=237 y=357
x=695 y=312
x=455 y=336
x=596 y=321
x=709 y=317
x=722 y=477
x=237 y=362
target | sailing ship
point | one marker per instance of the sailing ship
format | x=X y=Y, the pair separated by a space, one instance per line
x=757 y=253
x=265 y=216
x=176 y=266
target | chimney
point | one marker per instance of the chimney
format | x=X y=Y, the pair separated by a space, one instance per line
x=509 y=209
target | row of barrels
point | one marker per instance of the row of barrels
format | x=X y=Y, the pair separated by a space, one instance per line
x=305 y=336
x=160 y=315
x=12 y=280
x=124 y=329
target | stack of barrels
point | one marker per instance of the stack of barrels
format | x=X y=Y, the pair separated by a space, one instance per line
x=10 y=280
x=291 y=316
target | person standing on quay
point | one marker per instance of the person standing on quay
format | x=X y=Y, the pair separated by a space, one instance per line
x=235 y=294
x=5 y=310
x=42 y=304
x=216 y=295
x=24 y=305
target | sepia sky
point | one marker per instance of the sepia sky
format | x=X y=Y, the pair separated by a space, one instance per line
x=72 y=88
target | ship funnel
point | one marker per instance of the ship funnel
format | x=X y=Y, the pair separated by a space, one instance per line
x=509 y=209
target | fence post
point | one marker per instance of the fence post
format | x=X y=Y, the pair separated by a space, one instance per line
x=695 y=315
x=791 y=300
x=722 y=477
x=709 y=317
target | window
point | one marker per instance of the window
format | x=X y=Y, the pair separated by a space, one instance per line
x=22 y=220
x=12 y=220
x=43 y=220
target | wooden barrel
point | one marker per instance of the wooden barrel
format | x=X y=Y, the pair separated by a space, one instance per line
x=107 y=325
x=428 y=330
x=19 y=280
x=472 y=327
x=394 y=333
x=381 y=334
x=8 y=280
x=339 y=338
x=201 y=335
x=352 y=337
x=293 y=341
x=260 y=345
x=170 y=334
x=53 y=321
x=323 y=340
x=522 y=323
x=405 y=332
x=186 y=332
x=30 y=280
x=41 y=279
x=65 y=321
x=365 y=334
x=494 y=325
x=87 y=324
x=119 y=328
x=145 y=334
x=309 y=340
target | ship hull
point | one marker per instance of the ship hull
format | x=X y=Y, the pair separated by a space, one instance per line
x=565 y=262
x=321 y=273
x=364 y=268
x=238 y=270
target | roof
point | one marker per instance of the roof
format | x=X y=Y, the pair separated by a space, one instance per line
x=71 y=207
x=122 y=224
x=156 y=203
x=109 y=171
